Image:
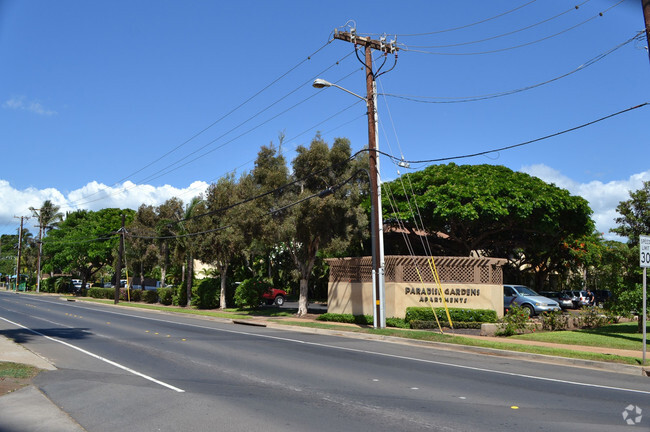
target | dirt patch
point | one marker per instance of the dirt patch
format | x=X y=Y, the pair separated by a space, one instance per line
x=14 y=376
x=8 y=385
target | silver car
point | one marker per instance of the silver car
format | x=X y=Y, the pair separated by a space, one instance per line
x=528 y=299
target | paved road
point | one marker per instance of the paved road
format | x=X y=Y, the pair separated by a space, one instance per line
x=123 y=369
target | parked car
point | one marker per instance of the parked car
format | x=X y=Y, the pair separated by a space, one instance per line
x=274 y=296
x=575 y=298
x=579 y=298
x=528 y=299
x=563 y=299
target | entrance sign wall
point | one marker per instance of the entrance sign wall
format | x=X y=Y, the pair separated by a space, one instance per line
x=472 y=283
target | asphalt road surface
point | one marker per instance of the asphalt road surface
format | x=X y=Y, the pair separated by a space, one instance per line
x=137 y=370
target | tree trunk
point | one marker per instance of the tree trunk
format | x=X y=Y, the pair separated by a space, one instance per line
x=302 y=300
x=190 y=278
x=222 y=298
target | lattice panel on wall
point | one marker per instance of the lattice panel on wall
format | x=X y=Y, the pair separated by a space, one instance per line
x=414 y=269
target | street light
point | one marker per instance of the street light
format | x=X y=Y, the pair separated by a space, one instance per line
x=377 y=225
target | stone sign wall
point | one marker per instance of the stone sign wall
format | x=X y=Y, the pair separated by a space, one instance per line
x=473 y=283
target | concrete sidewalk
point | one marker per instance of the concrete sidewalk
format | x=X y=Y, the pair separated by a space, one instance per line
x=28 y=409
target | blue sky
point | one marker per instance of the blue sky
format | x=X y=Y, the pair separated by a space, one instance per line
x=101 y=102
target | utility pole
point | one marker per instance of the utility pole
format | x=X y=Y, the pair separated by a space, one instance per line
x=118 y=269
x=646 y=16
x=20 y=244
x=376 y=223
x=40 y=251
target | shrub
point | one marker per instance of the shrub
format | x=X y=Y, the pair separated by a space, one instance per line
x=417 y=324
x=555 y=320
x=165 y=295
x=515 y=321
x=397 y=322
x=456 y=314
x=180 y=295
x=361 y=319
x=101 y=293
x=149 y=296
x=206 y=294
x=347 y=318
x=590 y=317
x=136 y=295
x=249 y=293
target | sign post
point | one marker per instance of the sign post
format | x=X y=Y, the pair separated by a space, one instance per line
x=644 y=261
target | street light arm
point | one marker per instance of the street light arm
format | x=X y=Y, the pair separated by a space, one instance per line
x=320 y=83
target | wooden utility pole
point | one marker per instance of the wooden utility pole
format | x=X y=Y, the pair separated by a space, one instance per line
x=376 y=220
x=20 y=244
x=646 y=16
x=118 y=268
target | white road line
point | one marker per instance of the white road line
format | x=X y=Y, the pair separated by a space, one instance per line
x=380 y=354
x=98 y=357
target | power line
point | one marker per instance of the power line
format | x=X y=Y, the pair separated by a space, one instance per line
x=233 y=110
x=440 y=99
x=394 y=158
x=600 y=14
x=175 y=165
x=463 y=26
x=574 y=8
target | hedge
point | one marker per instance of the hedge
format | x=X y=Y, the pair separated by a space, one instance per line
x=361 y=319
x=456 y=314
x=102 y=293
x=417 y=324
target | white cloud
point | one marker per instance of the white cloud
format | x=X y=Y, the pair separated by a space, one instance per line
x=603 y=197
x=93 y=196
x=21 y=103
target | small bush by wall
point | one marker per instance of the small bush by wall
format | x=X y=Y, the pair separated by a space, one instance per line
x=456 y=314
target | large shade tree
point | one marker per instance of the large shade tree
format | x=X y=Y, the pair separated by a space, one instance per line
x=85 y=242
x=328 y=213
x=494 y=211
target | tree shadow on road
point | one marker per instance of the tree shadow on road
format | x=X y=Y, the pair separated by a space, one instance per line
x=23 y=335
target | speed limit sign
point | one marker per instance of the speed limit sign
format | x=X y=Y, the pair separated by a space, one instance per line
x=644 y=242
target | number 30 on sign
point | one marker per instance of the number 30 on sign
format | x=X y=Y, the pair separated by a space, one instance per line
x=644 y=243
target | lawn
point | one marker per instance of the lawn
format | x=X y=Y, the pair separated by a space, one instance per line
x=618 y=336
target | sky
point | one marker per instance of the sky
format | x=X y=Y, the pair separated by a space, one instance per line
x=120 y=103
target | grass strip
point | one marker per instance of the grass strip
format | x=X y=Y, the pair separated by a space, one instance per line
x=227 y=313
x=17 y=370
x=618 y=336
x=460 y=340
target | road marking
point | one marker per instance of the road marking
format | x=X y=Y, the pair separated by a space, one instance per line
x=98 y=357
x=361 y=351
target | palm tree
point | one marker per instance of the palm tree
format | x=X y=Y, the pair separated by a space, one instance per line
x=48 y=217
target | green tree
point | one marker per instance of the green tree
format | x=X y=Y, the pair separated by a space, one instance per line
x=633 y=222
x=85 y=242
x=186 y=244
x=223 y=239
x=635 y=215
x=48 y=217
x=168 y=215
x=325 y=223
x=496 y=211
x=141 y=250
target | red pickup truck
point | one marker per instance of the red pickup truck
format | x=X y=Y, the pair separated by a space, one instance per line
x=274 y=296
